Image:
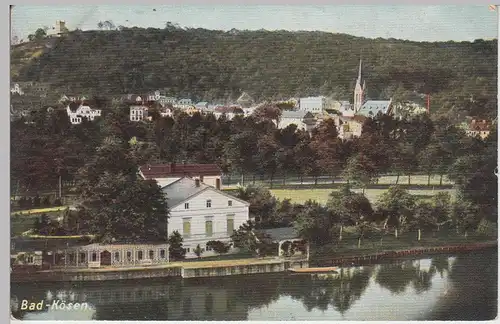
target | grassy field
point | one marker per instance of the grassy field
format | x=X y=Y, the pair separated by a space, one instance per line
x=21 y=223
x=374 y=242
x=321 y=195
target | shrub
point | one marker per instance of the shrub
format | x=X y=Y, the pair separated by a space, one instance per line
x=219 y=247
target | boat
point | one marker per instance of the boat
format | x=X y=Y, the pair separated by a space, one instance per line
x=314 y=270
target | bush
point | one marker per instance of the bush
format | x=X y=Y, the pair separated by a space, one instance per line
x=219 y=247
x=37 y=201
x=46 y=202
x=198 y=251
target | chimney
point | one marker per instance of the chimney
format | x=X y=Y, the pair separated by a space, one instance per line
x=197 y=182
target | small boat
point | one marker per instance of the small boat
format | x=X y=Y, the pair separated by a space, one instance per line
x=314 y=270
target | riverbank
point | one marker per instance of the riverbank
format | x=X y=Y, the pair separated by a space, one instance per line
x=396 y=254
x=193 y=269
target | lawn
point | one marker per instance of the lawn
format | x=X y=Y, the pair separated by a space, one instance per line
x=375 y=242
x=21 y=223
x=321 y=195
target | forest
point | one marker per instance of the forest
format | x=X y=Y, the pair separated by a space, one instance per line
x=217 y=66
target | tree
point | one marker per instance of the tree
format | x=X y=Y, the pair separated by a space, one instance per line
x=219 y=247
x=359 y=171
x=175 y=250
x=245 y=238
x=424 y=218
x=327 y=145
x=466 y=216
x=314 y=222
x=397 y=205
x=262 y=203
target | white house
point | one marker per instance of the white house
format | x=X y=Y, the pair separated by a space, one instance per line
x=16 y=89
x=314 y=105
x=185 y=102
x=166 y=112
x=165 y=174
x=76 y=112
x=201 y=213
x=303 y=119
x=138 y=112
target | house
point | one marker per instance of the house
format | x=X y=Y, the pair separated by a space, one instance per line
x=167 y=100
x=202 y=105
x=245 y=100
x=77 y=111
x=351 y=127
x=371 y=108
x=166 y=112
x=479 y=128
x=185 y=102
x=191 y=110
x=202 y=213
x=302 y=119
x=164 y=174
x=16 y=89
x=314 y=105
x=138 y=112
x=71 y=98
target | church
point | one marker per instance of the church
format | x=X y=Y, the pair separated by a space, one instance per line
x=368 y=108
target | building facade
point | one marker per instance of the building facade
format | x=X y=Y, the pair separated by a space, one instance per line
x=201 y=213
x=315 y=105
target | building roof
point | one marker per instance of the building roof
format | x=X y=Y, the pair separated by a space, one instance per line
x=293 y=114
x=181 y=190
x=185 y=188
x=372 y=107
x=279 y=234
x=155 y=171
x=73 y=106
x=479 y=125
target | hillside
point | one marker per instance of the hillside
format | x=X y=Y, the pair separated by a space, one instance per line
x=217 y=65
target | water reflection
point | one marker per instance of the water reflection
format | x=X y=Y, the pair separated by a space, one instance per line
x=406 y=289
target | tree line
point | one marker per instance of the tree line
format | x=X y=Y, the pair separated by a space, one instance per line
x=49 y=147
x=217 y=66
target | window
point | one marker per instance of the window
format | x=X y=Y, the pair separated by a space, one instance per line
x=209 y=203
x=230 y=224
x=186 y=228
x=207 y=248
x=188 y=250
x=139 y=255
x=129 y=256
x=162 y=254
x=117 y=256
x=208 y=228
x=94 y=257
x=83 y=256
x=151 y=254
x=186 y=206
x=230 y=203
x=30 y=259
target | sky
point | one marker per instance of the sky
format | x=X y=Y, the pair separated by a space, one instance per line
x=416 y=23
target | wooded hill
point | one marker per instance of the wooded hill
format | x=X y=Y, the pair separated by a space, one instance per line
x=216 y=65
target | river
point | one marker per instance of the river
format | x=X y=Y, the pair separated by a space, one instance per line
x=460 y=287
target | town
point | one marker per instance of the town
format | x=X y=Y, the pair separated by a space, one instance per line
x=156 y=184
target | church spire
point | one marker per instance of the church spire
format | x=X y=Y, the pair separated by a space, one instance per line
x=359 y=72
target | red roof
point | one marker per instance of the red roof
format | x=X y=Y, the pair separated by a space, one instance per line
x=479 y=125
x=154 y=171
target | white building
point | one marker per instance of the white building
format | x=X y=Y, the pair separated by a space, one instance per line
x=165 y=174
x=138 y=112
x=315 y=105
x=16 y=89
x=185 y=102
x=303 y=119
x=76 y=112
x=201 y=213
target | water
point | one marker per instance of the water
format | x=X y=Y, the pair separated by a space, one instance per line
x=461 y=287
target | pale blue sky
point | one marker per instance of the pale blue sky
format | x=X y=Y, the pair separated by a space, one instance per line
x=419 y=23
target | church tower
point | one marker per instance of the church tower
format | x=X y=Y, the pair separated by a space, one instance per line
x=359 y=90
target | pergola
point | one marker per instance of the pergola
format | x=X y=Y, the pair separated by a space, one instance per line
x=282 y=235
x=97 y=255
